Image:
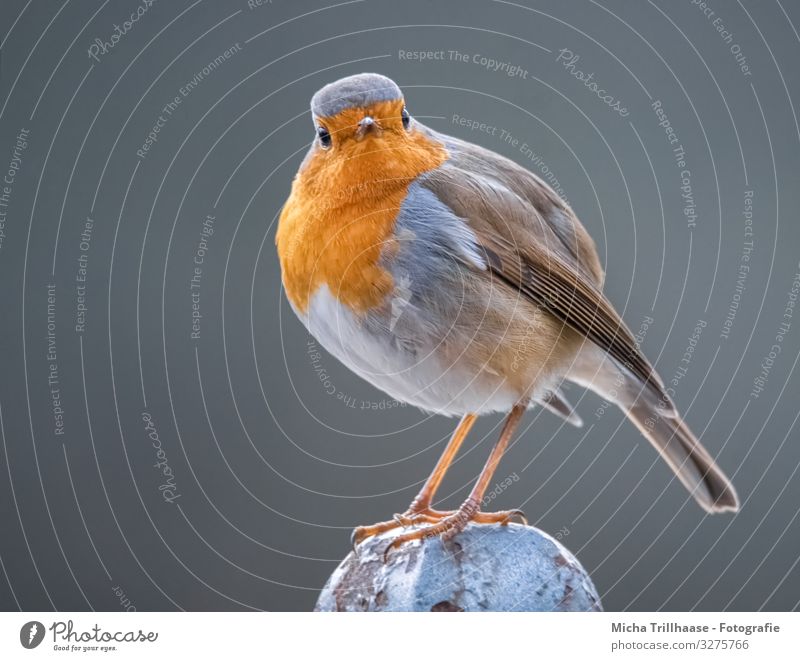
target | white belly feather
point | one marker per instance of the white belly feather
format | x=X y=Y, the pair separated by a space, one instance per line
x=416 y=377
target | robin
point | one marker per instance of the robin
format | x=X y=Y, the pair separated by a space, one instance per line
x=456 y=280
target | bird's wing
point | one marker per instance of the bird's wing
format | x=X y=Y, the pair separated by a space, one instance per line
x=522 y=249
x=530 y=206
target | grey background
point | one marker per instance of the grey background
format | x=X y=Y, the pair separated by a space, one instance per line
x=277 y=455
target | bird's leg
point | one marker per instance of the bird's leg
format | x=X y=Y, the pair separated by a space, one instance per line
x=420 y=509
x=455 y=522
x=422 y=503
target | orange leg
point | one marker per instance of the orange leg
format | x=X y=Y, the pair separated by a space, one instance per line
x=450 y=525
x=420 y=509
x=425 y=497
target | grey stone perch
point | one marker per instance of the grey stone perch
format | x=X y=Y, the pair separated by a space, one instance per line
x=483 y=568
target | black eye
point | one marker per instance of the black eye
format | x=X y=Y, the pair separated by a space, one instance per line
x=324 y=137
x=406 y=118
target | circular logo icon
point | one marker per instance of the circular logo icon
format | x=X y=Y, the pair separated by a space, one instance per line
x=31 y=634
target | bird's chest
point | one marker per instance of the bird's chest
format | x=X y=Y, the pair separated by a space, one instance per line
x=337 y=241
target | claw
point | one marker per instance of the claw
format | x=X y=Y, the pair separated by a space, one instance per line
x=388 y=548
x=519 y=514
x=395 y=543
x=355 y=538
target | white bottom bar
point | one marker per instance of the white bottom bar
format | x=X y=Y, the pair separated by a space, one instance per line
x=390 y=636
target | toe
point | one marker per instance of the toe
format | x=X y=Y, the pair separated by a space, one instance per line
x=361 y=533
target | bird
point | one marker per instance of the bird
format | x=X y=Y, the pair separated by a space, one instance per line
x=457 y=281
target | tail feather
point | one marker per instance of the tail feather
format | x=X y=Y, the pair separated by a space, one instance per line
x=661 y=425
x=690 y=461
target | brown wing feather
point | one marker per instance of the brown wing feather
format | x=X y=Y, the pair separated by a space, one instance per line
x=557 y=288
x=525 y=251
x=530 y=206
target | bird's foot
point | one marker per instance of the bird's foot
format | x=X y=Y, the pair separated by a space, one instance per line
x=450 y=524
x=445 y=524
x=410 y=517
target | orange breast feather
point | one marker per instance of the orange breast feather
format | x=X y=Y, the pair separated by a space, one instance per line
x=341 y=214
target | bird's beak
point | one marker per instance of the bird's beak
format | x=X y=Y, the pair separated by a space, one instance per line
x=365 y=126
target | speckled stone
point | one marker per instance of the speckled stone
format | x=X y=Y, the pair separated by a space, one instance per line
x=483 y=568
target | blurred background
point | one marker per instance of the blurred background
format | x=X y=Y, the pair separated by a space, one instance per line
x=171 y=436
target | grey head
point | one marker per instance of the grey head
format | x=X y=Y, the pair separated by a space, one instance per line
x=359 y=91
